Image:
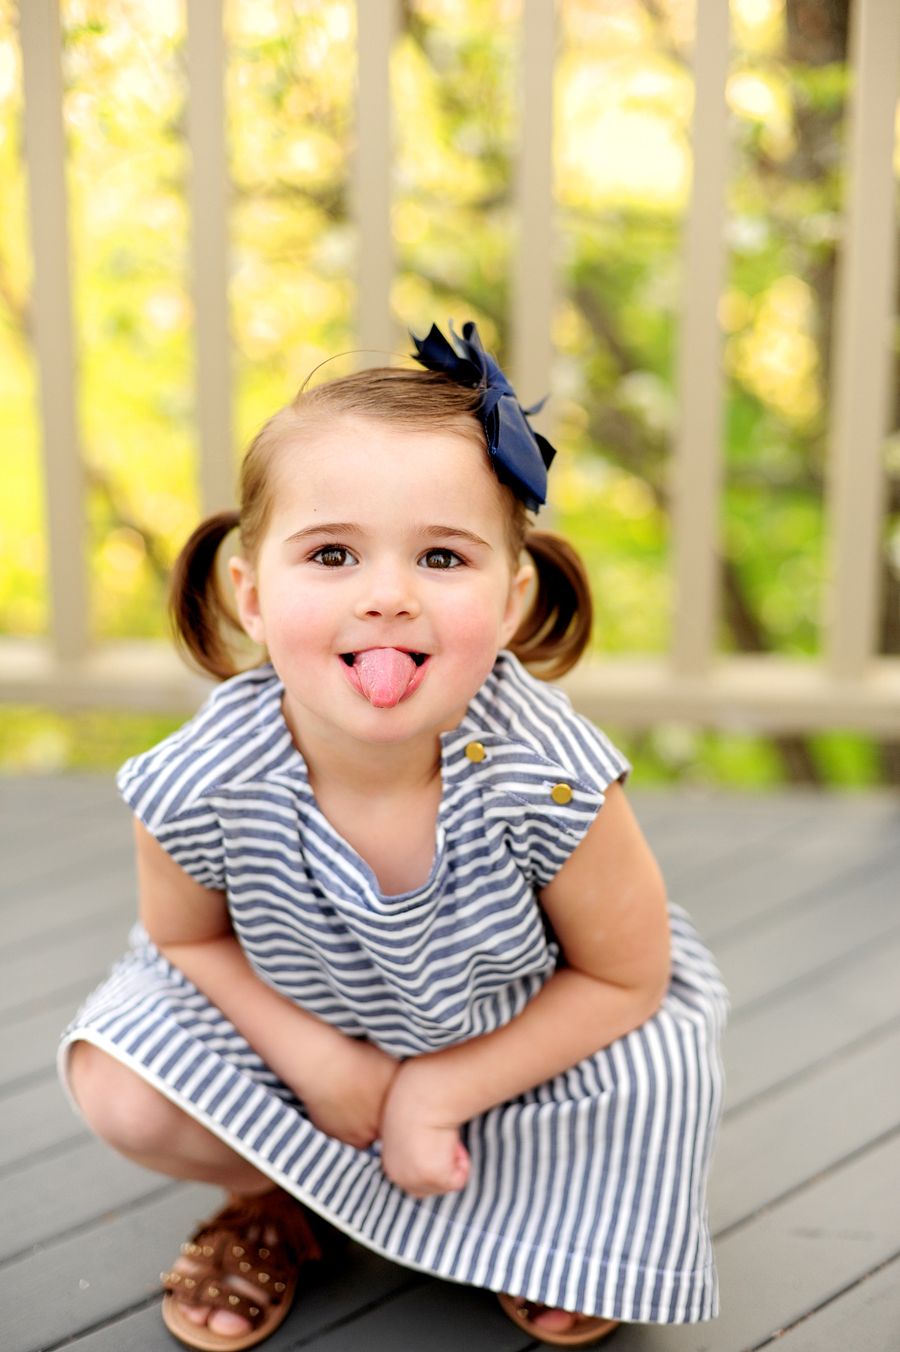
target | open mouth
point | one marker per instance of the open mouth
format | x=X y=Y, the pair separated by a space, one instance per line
x=418 y=658
x=385 y=676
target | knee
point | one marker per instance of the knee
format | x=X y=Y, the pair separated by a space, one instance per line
x=119 y=1106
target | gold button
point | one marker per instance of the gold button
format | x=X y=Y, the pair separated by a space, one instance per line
x=561 y=793
x=475 y=752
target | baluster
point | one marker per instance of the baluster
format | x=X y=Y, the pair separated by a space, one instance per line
x=697 y=462
x=208 y=199
x=41 y=39
x=376 y=22
x=534 y=270
x=863 y=359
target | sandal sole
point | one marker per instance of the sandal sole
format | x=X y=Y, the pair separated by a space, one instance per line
x=585 y=1337
x=206 y=1340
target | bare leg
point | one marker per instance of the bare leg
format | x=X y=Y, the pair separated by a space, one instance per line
x=142 y=1124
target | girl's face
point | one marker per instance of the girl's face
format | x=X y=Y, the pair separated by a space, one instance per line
x=382 y=538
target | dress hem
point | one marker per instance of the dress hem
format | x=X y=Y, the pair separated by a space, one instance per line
x=704 y=1276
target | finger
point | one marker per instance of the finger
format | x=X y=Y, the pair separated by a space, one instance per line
x=426 y=1182
x=458 y=1179
x=450 y=1180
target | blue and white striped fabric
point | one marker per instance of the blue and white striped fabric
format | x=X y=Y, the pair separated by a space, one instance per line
x=588 y=1192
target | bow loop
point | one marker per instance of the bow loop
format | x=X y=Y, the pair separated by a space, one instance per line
x=520 y=456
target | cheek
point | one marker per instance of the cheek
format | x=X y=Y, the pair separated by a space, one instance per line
x=471 y=625
x=292 y=613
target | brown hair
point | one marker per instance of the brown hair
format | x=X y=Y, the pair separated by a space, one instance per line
x=554 y=632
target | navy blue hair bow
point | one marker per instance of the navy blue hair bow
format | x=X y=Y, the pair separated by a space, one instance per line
x=520 y=456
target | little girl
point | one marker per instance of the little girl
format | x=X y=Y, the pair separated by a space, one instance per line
x=395 y=962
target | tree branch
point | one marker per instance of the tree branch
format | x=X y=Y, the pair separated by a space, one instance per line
x=125 y=517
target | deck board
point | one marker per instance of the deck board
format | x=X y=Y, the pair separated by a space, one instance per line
x=61 y=857
x=34 y=1121
x=83 y=1278
x=28 y=1045
x=61 y=962
x=793 y=1258
x=62 y=1192
x=785 y=877
x=797 y=942
x=824 y=1015
x=798 y=895
x=80 y=911
x=786 y=1138
x=867 y=1315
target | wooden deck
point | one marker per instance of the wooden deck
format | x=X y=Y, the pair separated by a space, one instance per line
x=800 y=899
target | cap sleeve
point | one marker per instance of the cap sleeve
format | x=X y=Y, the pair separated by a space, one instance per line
x=169 y=791
x=540 y=804
x=591 y=764
x=536 y=743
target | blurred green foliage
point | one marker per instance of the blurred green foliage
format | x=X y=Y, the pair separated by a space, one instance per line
x=623 y=165
x=41 y=741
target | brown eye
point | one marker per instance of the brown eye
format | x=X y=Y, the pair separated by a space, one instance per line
x=441 y=558
x=333 y=556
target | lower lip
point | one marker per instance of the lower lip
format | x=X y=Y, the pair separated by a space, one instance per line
x=411 y=689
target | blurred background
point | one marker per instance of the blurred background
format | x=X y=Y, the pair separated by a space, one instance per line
x=622 y=171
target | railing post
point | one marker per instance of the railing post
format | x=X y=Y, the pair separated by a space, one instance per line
x=862 y=356
x=209 y=198
x=698 y=459
x=41 y=39
x=534 y=272
x=376 y=29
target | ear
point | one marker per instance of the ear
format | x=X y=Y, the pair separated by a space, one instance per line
x=246 y=592
x=515 y=603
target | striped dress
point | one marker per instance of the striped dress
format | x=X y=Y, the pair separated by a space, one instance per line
x=587 y=1192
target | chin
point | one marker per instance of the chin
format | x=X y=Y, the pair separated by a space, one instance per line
x=386 y=735
x=390 y=727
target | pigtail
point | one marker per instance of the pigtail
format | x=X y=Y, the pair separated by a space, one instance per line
x=556 y=630
x=197 y=607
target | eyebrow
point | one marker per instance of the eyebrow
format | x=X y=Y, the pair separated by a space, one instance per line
x=336 y=528
x=453 y=532
x=327 y=528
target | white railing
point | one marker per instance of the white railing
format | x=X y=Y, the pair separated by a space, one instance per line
x=849 y=687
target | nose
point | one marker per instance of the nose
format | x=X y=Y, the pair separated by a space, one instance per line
x=388 y=593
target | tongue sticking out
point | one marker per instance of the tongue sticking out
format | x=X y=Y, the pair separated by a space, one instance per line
x=384 y=675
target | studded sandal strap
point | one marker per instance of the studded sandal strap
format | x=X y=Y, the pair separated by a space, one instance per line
x=229 y=1246
x=213 y=1291
x=244 y=1223
x=267 y=1268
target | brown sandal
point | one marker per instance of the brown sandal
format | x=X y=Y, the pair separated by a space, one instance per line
x=231 y=1245
x=589 y=1328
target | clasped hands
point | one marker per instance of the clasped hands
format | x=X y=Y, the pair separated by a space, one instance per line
x=365 y=1095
